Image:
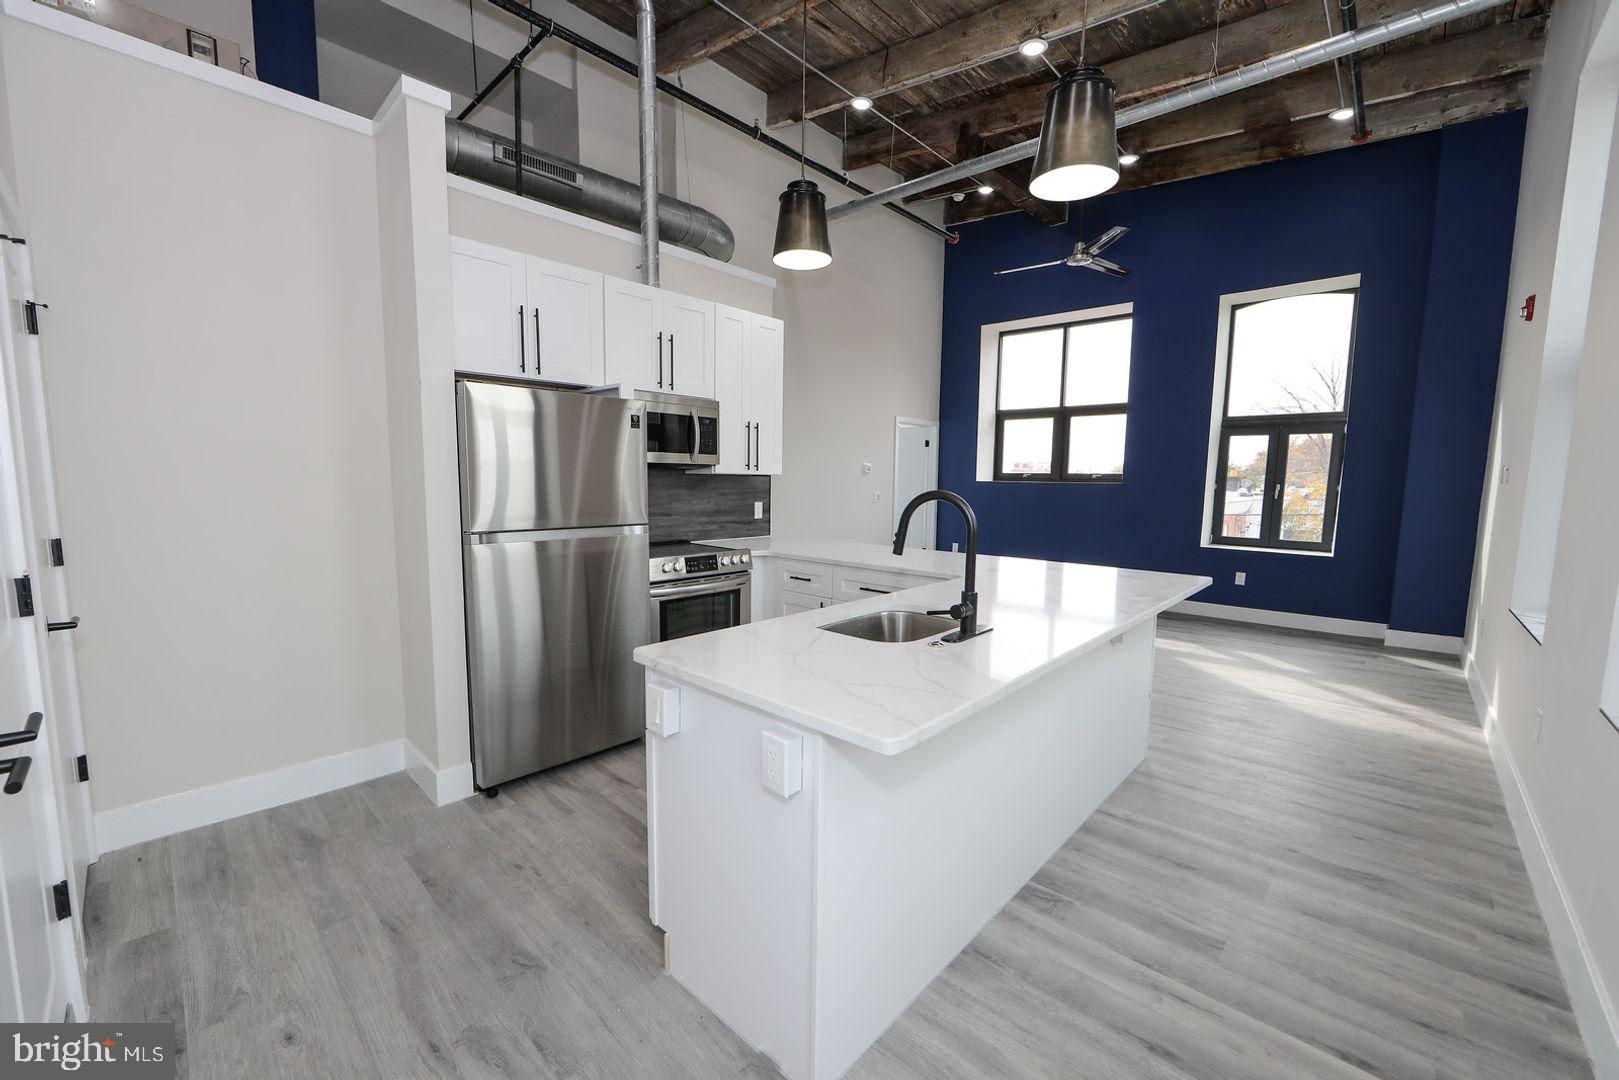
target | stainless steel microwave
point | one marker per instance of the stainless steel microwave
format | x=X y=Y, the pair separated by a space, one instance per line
x=680 y=430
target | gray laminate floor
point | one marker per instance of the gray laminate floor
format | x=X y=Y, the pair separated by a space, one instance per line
x=1311 y=876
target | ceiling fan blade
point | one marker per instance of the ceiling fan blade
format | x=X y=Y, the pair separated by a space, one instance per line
x=1112 y=269
x=1096 y=246
x=1036 y=266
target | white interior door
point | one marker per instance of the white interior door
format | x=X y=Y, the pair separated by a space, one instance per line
x=490 y=308
x=47 y=553
x=565 y=313
x=916 y=469
x=35 y=983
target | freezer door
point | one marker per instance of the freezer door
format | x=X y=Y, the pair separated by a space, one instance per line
x=551 y=624
x=548 y=459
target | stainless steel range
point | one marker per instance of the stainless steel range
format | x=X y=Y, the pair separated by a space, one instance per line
x=697 y=588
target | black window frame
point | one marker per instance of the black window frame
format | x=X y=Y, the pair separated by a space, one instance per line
x=1060 y=414
x=1278 y=427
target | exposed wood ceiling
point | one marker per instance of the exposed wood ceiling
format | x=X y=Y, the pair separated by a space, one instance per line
x=949 y=74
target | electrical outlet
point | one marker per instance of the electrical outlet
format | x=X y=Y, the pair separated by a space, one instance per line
x=758 y=511
x=1242 y=577
x=955 y=546
x=781 y=763
x=662 y=709
x=865 y=468
x=876 y=496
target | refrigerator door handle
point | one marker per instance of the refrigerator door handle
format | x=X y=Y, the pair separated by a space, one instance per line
x=529 y=536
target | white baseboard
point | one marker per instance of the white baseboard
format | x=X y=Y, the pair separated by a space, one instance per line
x=1592 y=1005
x=1429 y=643
x=443 y=786
x=1323 y=624
x=172 y=814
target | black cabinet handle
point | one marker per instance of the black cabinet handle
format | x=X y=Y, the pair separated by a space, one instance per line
x=747 y=445
x=795 y=577
x=868 y=588
x=671 y=359
x=16 y=770
x=756 y=427
x=522 y=347
x=660 y=360
x=27 y=733
x=71 y=624
x=539 y=357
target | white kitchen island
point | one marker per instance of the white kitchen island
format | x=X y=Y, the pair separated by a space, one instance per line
x=932 y=781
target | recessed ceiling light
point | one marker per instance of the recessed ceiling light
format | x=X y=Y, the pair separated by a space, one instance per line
x=860 y=103
x=1035 y=46
x=985 y=189
x=1342 y=113
x=1128 y=158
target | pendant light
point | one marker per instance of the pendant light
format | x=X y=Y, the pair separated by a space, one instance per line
x=801 y=238
x=1078 y=155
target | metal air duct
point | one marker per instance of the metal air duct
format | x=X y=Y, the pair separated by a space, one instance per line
x=484 y=156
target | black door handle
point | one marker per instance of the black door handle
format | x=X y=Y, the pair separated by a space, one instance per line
x=16 y=770
x=71 y=624
x=522 y=348
x=28 y=733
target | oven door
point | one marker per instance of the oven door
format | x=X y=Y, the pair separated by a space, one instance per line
x=684 y=608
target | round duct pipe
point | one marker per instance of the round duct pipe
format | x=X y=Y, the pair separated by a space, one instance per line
x=482 y=155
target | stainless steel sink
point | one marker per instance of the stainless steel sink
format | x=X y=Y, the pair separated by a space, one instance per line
x=892 y=626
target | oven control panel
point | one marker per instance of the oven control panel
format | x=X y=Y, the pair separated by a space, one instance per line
x=682 y=566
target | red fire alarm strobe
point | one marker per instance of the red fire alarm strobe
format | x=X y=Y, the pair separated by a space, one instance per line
x=1527 y=312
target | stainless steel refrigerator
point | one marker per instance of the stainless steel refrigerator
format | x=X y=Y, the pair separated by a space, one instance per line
x=554 y=556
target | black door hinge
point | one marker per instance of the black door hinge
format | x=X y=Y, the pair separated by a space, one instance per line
x=25 y=596
x=57 y=558
x=64 y=903
x=83 y=761
x=30 y=315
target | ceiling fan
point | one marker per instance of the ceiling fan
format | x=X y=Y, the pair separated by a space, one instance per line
x=1085 y=255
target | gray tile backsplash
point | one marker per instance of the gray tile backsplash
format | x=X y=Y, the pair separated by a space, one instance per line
x=701 y=506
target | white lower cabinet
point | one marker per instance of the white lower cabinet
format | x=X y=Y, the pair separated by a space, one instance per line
x=855 y=584
x=748 y=374
x=791 y=603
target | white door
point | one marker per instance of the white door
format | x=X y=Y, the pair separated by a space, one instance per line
x=33 y=977
x=688 y=324
x=731 y=329
x=916 y=469
x=764 y=390
x=565 y=323
x=47 y=551
x=490 y=308
x=632 y=337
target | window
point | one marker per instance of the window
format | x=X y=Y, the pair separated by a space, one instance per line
x=1284 y=407
x=1061 y=393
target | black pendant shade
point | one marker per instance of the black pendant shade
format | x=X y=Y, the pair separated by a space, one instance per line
x=1078 y=155
x=801 y=238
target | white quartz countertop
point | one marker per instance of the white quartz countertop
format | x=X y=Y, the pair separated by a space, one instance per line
x=889 y=697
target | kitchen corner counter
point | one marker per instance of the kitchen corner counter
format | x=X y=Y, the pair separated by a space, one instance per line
x=889 y=697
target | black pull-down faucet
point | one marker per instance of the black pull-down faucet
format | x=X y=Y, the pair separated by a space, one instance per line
x=966 y=612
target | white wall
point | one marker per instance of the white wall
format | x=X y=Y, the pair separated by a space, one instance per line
x=213 y=358
x=1558 y=756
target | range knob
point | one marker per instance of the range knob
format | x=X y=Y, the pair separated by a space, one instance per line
x=742 y=558
x=725 y=560
x=667 y=568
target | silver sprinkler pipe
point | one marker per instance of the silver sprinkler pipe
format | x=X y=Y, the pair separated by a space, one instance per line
x=1305 y=56
x=646 y=84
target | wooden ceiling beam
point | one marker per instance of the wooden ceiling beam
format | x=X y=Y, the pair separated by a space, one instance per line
x=955 y=47
x=711 y=31
x=1144 y=74
x=1386 y=120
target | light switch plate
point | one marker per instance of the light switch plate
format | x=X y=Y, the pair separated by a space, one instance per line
x=662 y=710
x=758 y=510
x=781 y=763
x=1242 y=577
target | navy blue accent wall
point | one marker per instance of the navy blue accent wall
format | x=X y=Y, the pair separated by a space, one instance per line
x=284 y=45
x=1431 y=239
x=1456 y=378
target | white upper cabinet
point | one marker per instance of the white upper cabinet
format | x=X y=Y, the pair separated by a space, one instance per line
x=520 y=315
x=565 y=323
x=688 y=326
x=490 y=288
x=632 y=334
x=748 y=354
x=659 y=340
